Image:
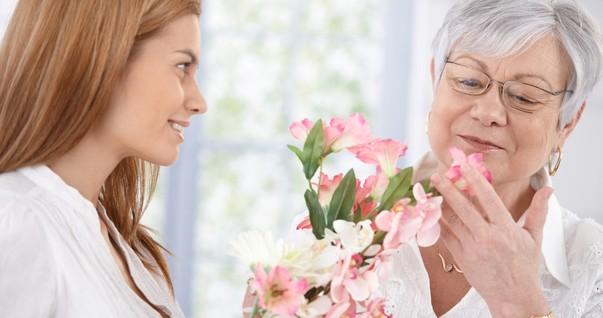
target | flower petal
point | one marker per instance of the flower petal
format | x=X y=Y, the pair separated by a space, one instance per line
x=429 y=236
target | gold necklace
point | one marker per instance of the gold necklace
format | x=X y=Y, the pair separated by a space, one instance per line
x=448 y=268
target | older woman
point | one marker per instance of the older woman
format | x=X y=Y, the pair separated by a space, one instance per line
x=510 y=80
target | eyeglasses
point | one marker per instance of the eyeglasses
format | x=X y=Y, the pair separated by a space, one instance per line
x=524 y=97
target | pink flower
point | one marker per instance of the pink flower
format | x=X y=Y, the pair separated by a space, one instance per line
x=300 y=130
x=352 y=280
x=382 y=152
x=353 y=132
x=475 y=160
x=429 y=209
x=342 y=310
x=327 y=187
x=401 y=224
x=305 y=224
x=363 y=201
x=378 y=183
x=278 y=292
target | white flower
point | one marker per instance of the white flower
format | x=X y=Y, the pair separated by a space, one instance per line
x=354 y=237
x=256 y=247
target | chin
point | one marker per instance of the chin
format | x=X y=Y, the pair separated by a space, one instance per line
x=164 y=158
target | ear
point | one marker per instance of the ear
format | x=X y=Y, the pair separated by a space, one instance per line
x=569 y=127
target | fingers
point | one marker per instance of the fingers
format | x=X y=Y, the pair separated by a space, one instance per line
x=537 y=212
x=469 y=217
x=489 y=201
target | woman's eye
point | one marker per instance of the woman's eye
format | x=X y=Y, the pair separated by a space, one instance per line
x=469 y=83
x=524 y=100
x=183 y=66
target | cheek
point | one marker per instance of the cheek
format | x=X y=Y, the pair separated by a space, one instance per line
x=446 y=108
x=534 y=140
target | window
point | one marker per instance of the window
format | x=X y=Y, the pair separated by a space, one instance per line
x=268 y=63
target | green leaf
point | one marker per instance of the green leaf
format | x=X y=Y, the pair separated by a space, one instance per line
x=297 y=152
x=396 y=189
x=343 y=199
x=313 y=150
x=317 y=216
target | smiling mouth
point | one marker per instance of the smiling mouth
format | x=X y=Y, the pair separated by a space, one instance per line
x=480 y=145
x=179 y=129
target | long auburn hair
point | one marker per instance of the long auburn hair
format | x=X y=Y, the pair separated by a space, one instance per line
x=59 y=62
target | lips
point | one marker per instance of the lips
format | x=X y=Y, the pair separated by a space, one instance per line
x=178 y=127
x=480 y=144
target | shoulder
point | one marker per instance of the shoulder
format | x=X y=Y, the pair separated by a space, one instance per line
x=583 y=240
x=23 y=233
x=27 y=261
x=14 y=182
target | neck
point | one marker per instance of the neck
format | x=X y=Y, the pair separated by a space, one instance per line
x=87 y=166
x=516 y=196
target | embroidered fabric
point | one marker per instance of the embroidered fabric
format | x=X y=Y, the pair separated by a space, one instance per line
x=407 y=288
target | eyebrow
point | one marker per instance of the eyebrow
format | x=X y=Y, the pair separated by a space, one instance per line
x=480 y=63
x=190 y=53
x=524 y=75
x=517 y=76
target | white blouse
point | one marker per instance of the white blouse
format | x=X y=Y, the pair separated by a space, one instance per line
x=571 y=268
x=54 y=261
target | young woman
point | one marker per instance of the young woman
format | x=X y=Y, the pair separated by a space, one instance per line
x=94 y=96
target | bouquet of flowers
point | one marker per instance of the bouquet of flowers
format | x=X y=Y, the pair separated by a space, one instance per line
x=332 y=264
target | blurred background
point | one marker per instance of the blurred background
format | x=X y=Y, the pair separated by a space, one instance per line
x=266 y=63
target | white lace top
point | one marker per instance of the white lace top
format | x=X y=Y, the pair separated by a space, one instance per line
x=54 y=261
x=571 y=269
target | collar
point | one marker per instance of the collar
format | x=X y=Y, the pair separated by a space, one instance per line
x=553 y=236
x=47 y=179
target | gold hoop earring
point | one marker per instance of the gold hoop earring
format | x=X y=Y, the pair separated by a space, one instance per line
x=553 y=168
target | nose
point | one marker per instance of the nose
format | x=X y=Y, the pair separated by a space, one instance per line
x=489 y=108
x=195 y=102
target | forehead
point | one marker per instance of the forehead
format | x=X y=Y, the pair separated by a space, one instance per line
x=181 y=33
x=545 y=58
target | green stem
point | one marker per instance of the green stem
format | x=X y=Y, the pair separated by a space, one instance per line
x=319 y=175
x=256 y=308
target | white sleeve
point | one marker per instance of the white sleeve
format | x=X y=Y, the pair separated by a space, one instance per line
x=28 y=272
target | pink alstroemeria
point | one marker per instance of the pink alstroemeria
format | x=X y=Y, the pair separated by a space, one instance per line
x=382 y=152
x=401 y=224
x=378 y=183
x=429 y=209
x=278 y=292
x=353 y=132
x=300 y=130
x=363 y=201
x=327 y=187
x=459 y=158
x=305 y=224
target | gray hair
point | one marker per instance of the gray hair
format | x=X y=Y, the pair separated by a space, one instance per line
x=502 y=28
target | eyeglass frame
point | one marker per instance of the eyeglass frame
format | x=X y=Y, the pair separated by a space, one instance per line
x=501 y=86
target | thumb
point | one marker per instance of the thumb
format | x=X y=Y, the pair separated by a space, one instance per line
x=537 y=212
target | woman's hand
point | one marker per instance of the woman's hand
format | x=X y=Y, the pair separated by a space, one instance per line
x=499 y=258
